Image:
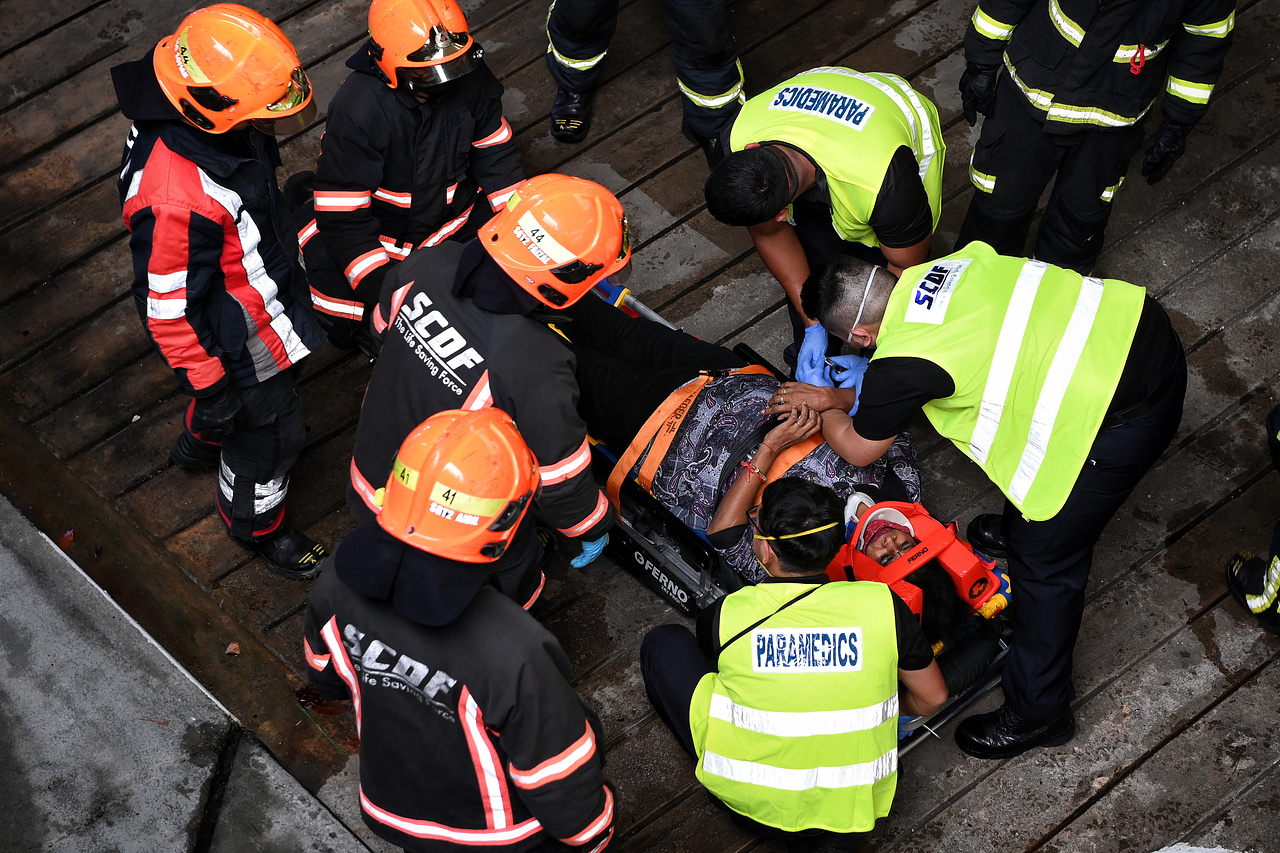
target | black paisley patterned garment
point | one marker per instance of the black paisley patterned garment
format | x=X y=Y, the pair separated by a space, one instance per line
x=726 y=426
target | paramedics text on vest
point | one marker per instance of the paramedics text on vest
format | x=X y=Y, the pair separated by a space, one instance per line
x=932 y=292
x=807 y=650
x=825 y=103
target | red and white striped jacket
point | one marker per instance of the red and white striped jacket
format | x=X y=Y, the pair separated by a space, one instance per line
x=395 y=174
x=470 y=734
x=214 y=258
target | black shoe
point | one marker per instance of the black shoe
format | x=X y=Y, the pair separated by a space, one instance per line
x=289 y=553
x=1253 y=584
x=985 y=534
x=189 y=452
x=571 y=115
x=1003 y=734
x=712 y=146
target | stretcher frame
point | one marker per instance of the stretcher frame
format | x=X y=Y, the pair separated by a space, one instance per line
x=680 y=565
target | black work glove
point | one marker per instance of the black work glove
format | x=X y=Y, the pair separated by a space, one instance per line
x=216 y=413
x=1171 y=141
x=978 y=91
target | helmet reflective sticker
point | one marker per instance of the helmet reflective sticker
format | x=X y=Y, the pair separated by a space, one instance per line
x=539 y=241
x=453 y=505
x=187 y=66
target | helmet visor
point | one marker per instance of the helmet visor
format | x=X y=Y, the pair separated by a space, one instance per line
x=294 y=97
x=418 y=78
x=289 y=124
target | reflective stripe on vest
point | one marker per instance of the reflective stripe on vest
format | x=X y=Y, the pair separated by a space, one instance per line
x=830 y=112
x=798 y=728
x=1029 y=399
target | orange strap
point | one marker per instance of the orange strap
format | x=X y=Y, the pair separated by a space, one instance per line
x=783 y=461
x=661 y=428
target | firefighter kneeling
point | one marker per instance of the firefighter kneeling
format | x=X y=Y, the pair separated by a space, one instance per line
x=471 y=735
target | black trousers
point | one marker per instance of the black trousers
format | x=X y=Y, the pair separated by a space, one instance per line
x=703 y=51
x=1049 y=561
x=257 y=453
x=1013 y=162
x=627 y=366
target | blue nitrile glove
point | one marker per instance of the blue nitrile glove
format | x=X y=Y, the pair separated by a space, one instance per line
x=811 y=363
x=590 y=550
x=905 y=724
x=849 y=374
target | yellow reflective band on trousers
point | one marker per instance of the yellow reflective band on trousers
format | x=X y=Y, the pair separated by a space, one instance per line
x=850 y=123
x=1036 y=353
x=798 y=728
x=713 y=102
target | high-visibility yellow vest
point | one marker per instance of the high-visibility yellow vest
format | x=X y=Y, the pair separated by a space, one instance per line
x=1036 y=353
x=798 y=728
x=850 y=123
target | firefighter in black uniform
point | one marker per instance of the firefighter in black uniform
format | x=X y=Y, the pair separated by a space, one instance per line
x=471 y=736
x=1065 y=86
x=703 y=51
x=415 y=151
x=464 y=326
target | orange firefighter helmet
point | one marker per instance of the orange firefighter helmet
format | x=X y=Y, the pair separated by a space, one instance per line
x=227 y=65
x=421 y=43
x=460 y=485
x=558 y=237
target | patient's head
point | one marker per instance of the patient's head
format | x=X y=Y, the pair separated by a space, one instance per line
x=885 y=540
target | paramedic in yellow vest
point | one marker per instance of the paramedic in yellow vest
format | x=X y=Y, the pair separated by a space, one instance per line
x=832 y=160
x=789 y=695
x=1064 y=389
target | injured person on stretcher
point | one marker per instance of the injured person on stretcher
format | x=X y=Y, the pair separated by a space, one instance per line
x=705 y=451
x=629 y=371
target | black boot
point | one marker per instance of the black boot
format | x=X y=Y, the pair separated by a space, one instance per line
x=191 y=453
x=1253 y=583
x=1004 y=734
x=288 y=553
x=571 y=115
x=986 y=533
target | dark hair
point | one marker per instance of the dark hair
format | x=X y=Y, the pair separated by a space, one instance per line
x=942 y=610
x=749 y=187
x=823 y=291
x=793 y=505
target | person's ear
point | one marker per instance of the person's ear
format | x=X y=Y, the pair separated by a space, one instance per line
x=751 y=145
x=763 y=551
x=781 y=216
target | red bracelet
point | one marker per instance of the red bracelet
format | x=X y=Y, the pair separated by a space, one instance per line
x=754 y=470
x=771 y=450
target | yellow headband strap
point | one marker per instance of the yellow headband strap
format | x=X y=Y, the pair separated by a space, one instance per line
x=759 y=535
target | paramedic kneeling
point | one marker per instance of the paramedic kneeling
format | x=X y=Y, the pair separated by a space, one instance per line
x=789 y=696
x=1064 y=389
